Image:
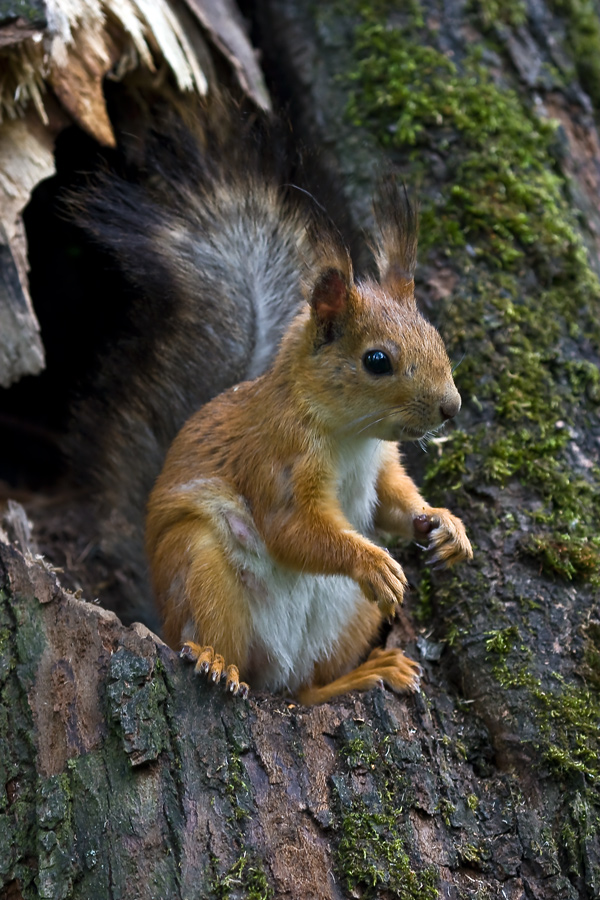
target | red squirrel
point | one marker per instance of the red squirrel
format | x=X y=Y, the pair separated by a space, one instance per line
x=260 y=528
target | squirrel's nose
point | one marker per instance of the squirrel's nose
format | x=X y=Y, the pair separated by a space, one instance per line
x=450 y=406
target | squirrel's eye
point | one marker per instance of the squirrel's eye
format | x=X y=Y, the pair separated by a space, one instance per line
x=377 y=362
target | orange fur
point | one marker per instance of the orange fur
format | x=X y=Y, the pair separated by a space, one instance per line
x=256 y=474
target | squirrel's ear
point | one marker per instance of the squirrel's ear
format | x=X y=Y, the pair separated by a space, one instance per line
x=395 y=248
x=329 y=296
x=329 y=279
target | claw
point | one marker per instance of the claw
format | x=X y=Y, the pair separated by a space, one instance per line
x=216 y=669
x=212 y=664
x=387 y=609
x=232 y=677
x=205 y=660
x=187 y=653
x=415 y=687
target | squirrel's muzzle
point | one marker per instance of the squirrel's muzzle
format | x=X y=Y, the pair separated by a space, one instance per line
x=450 y=405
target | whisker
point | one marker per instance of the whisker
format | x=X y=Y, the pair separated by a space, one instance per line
x=454 y=368
x=429 y=436
x=381 y=419
x=390 y=410
x=387 y=414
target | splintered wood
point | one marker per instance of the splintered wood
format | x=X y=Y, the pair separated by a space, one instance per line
x=71 y=47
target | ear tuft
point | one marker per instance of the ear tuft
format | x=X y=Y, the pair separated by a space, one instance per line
x=329 y=298
x=395 y=248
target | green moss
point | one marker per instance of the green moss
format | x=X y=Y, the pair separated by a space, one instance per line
x=33 y=11
x=574 y=559
x=446 y=808
x=373 y=857
x=19 y=841
x=584 y=378
x=450 y=465
x=506 y=12
x=237 y=789
x=581 y=827
x=570 y=842
x=532 y=403
x=460 y=751
x=473 y=802
x=358 y=752
x=136 y=697
x=373 y=851
x=7 y=661
x=583 y=40
x=496 y=210
x=473 y=854
x=502 y=189
x=423 y=608
x=566 y=716
x=245 y=879
x=501 y=642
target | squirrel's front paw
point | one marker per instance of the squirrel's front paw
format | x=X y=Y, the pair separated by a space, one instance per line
x=448 y=541
x=383 y=582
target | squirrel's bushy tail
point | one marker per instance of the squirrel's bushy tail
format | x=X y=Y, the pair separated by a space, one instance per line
x=214 y=252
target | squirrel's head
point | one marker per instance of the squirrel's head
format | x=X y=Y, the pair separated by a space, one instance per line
x=377 y=367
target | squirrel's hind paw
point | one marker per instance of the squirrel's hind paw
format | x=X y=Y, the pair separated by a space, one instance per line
x=397 y=671
x=212 y=664
x=388 y=667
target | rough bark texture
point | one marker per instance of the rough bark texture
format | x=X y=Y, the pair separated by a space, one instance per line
x=127 y=777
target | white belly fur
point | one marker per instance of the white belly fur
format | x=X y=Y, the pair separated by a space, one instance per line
x=298 y=618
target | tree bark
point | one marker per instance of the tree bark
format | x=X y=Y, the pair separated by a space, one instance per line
x=127 y=776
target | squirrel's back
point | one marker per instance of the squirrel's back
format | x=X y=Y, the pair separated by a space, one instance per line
x=214 y=251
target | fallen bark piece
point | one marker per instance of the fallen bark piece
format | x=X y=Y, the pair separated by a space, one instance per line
x=25 y=160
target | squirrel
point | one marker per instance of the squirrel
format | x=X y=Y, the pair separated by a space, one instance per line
x=260 y=528
x=299 y=382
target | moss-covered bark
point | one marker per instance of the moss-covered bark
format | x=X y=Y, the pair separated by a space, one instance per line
x=478 y=105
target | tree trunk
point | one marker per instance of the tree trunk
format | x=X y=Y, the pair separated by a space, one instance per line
x=128 y=777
